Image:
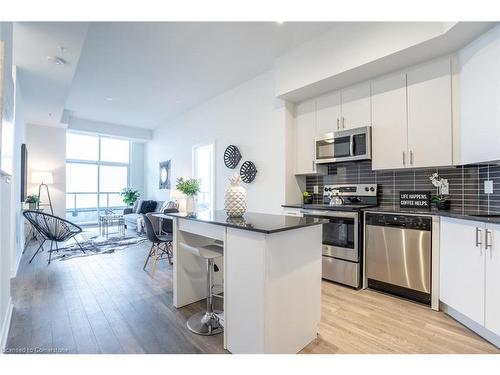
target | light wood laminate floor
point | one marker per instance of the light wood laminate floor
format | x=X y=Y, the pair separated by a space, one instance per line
x=108 y=304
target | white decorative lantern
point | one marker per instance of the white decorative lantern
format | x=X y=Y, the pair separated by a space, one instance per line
x=235 y=198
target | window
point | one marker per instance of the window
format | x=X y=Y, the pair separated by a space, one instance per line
x=203 y=169
x=82 y=147
x=97 y=169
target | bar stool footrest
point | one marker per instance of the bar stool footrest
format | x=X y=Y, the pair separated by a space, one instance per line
x=205 y=324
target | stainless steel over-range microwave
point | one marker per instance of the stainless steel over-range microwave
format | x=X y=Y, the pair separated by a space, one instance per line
x=344 y=145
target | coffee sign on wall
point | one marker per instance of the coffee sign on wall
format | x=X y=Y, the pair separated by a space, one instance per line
x=415 y=199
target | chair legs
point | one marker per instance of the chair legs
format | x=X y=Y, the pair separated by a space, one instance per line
x=150 y=254
x=39 y=247
x=80 y=246
x=168 y=251
x=50 y=251
x=158 y=251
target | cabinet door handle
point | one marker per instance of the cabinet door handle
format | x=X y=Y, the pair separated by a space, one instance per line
x=478 y=232
x=338 y=123
x=487 y=244
x=404 y=159
x=411 y=157
x=314 y=165
x=343 y=122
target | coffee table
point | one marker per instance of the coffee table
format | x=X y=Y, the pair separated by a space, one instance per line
x=110 y=220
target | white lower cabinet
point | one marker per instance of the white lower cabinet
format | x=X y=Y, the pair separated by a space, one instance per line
x=461 y=263
x=469 y=270
x=492 y=277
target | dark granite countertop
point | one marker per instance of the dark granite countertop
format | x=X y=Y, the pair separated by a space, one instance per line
x=474 y=216
x=453 y=214
x=325 y=207
x=252 y=221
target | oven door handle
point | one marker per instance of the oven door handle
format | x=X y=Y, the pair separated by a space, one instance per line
x=351 y=145
x=331 y=214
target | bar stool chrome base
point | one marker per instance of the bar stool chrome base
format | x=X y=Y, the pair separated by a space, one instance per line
x=204 y=323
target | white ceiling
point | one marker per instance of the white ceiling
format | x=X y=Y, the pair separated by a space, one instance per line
x=152 y=71
x=44 y=85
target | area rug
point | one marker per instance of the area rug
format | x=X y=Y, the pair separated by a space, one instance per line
x=96 y=245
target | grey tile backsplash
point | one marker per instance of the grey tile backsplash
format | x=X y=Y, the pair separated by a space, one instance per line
x=466 y=183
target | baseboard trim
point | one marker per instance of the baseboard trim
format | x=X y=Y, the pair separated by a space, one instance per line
x=472 y=325
x=6 y=325
x=13 y=273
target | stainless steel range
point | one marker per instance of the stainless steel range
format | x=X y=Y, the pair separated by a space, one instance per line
x=342 y=235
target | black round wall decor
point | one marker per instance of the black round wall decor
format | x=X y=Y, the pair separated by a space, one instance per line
x=232 y=156
x=248 y=171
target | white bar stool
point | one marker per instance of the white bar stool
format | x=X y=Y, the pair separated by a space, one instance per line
x=206 y=322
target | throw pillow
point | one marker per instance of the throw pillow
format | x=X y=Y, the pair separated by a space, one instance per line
x=167 y=205
x=147 y=206
x=137 y=205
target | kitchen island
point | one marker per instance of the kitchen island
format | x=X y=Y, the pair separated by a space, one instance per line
x=271 y=276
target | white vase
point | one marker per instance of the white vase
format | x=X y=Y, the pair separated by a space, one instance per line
x=190 y=204
x=235 y=198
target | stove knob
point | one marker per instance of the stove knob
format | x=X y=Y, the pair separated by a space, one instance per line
x=366 y=188
x=372 y=189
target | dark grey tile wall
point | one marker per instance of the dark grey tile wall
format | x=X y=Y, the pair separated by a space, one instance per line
x=466 y=183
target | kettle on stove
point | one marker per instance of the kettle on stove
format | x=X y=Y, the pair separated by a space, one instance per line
x=336 y=199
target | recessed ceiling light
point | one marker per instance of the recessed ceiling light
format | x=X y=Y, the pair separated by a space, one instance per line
x=279 y=22
x=109 y=99
x=56 y=60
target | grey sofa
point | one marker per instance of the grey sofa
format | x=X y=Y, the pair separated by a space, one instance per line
x=135 y=221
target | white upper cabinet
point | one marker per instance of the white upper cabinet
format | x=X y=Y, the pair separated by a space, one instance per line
x=389 y=137
x=328 y=113
x=461 y=267
x=304 y=138
x=492 y=288
x=412 y=117
x=479 y=137
x=430 y=114
x=356 y=106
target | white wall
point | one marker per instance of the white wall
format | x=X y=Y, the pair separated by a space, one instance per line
x=47 y=152
x=332 y=52
x=137 y=167
x=248 y=116
x=17 y=220
x=6 y=88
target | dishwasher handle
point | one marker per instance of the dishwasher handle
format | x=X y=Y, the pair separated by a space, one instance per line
x=396 y=225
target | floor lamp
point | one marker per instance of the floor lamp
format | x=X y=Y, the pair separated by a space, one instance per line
x=43 y=178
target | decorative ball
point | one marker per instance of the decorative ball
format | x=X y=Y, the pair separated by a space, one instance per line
x=248 y=171
x=232 y=156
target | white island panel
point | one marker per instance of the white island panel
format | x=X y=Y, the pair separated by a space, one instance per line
x=273 y=290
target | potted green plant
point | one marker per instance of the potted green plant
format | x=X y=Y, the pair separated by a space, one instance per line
x=307 y=197
x=189 y=187
x=32 y=201
x=441 y=200
x=130 y=196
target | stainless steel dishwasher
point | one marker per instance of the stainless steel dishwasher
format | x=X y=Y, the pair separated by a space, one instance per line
x=398 y=255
